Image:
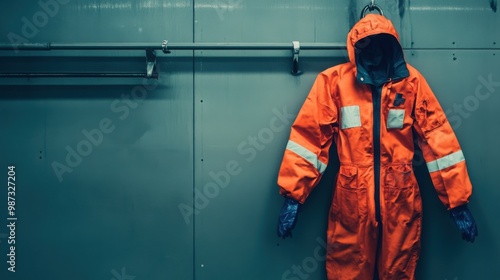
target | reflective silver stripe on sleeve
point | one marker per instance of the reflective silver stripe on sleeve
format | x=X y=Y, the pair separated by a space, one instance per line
x=307 y=155
x=445 y=161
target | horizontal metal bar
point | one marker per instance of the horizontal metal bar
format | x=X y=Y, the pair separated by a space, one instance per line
x=76 y=75
x=194 y=46
x=170 y=46
x=255 y=46
x=451 y=49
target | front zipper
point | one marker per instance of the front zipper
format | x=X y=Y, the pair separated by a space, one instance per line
x=376 y=147
x=376 y=164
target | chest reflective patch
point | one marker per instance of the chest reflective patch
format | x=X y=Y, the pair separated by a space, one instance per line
x=395 y=118
x=350 y=117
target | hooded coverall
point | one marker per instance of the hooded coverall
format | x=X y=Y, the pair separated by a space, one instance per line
x=372 y=107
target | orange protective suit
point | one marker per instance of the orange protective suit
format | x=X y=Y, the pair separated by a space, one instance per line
x=371 y=106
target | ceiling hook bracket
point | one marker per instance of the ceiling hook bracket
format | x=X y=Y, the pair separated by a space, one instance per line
x=371 y=7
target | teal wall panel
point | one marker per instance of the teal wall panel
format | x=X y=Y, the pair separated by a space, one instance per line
x=245 y=121
x=454 y=24
x=467 y=85
x=184 y=187
x=118 y=201
x=114 y=213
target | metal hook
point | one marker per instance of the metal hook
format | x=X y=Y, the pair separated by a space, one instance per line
x=151 y=64
x=295 y=61
x=164 y=46
x=370 y=8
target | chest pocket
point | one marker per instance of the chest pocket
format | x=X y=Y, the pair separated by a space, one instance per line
x=399 y=102
x=395 y=118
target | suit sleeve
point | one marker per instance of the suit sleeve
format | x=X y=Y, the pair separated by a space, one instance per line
x=307 y=151
x=441 y=150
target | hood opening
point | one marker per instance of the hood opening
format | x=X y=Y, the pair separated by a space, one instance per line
x=379 y=58
x=373 y=47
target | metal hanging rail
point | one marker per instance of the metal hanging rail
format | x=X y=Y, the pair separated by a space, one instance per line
x=77 y=75
x=165 y=47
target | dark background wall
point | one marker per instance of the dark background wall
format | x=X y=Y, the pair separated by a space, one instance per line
x=176 y=178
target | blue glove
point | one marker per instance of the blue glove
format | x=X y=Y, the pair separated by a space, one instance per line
x=465 y=222
x=288 y=217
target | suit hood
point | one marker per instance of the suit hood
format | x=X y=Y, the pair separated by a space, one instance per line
x=373 y=47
